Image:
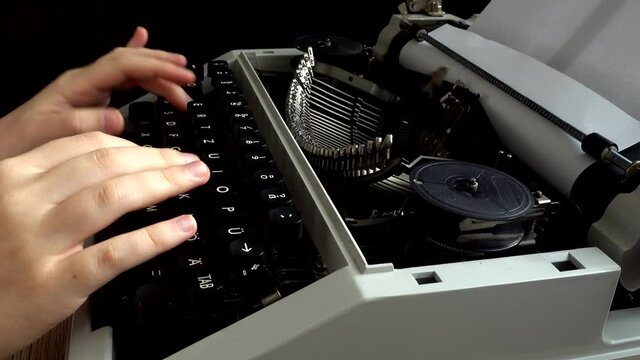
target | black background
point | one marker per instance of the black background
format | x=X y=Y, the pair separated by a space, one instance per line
x=42 y=39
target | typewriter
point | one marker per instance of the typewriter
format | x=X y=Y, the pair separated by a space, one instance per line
x=415 y=217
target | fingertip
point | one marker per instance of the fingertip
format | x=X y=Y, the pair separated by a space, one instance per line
x=182 y=99
x=139 y=38
x=186 y=98
x=186 y=224
x=112 y=121
x=182 y=59
x=142 y=30
x=198 y=169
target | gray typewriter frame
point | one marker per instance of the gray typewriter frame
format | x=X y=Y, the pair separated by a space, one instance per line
x=520 y=307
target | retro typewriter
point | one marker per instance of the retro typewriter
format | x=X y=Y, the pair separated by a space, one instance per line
x=378 y=202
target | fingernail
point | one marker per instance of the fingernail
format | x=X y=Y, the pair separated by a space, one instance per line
x=186 y=223
x=197 y=169
x=189 y=158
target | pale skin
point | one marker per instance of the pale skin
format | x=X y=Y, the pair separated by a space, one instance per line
x=64 y=177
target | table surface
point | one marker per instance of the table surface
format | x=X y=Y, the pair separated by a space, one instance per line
x=51 y=346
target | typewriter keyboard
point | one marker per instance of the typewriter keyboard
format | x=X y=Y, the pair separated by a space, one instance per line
x=251 y=248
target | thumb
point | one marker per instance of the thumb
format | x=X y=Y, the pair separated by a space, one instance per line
x=81 y=120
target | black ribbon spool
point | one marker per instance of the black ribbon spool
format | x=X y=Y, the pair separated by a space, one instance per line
x=490 y=203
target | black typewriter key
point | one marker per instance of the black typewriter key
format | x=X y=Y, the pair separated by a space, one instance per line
x=275 y=196
x=217 y=64
x=198 y=70
x=205 y=282
x=233 y=230
x=154 y=303
x=267 y=177
x=146 y=135
x=216 y=161
x=200 y=118
x=201 y=239
x=182 y=203
x=167 y=114
x=246 y=251
x=141 y=112
x=229 y=208
x=254 y=280
x=193 y=261
x=234 y=100
x=199 y=270
x=220 y=82
x=150 y=214
x=196 y=107
x=171 y=123
x=220 y=72
x=162 y=104
x=207 y=132
x=284 y=223
x=249 y=143
x=194 y=89
x=222 y=186
x=257 y=159
x=207 y=143
x=252 y=273
x=174 y=136
x=196 y=238
x=203 y=124
x=205 y=290
x=230 y=90
x=245 y=129
x=240 y=115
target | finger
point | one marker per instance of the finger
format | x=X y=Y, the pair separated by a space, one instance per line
x=59 y=150
x=82 y=120
x=171 y=57
x=139 y=38
x=121 y=69
x=174 y=93
x=102 y=204
x=110 y=119
x=96 y=265
x=106 y=163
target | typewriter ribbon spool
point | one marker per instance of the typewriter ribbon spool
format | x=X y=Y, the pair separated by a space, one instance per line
x=469 y=207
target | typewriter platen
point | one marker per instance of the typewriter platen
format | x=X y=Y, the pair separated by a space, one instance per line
x=434 y=232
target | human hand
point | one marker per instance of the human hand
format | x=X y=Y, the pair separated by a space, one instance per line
x=57 y=195
x=76 y=101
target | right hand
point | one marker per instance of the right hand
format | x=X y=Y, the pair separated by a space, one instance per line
x=57 y=195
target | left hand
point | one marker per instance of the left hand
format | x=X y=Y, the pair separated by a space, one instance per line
x=76 y=102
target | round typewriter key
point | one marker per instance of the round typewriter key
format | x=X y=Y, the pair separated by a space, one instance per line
x=266 y=177
x=285 y=224
x=275 y=196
